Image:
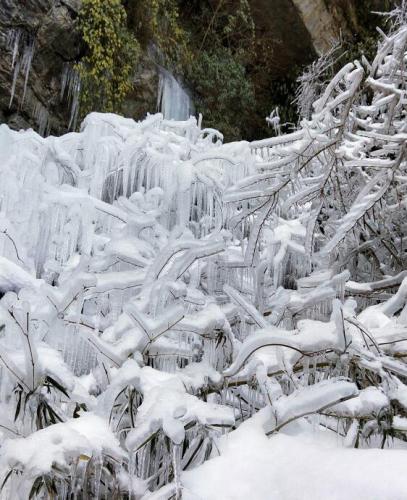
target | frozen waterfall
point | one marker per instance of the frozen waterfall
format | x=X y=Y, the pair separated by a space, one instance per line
x=173 y=100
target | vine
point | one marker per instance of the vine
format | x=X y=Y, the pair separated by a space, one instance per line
x=110 y=58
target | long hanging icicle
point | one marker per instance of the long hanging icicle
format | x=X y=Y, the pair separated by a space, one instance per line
x=70 y=90
x=22 y=46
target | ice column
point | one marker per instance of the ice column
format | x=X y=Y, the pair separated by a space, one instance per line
x=173 y=100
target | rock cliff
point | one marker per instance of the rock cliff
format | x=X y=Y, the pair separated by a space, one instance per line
x=38 y=41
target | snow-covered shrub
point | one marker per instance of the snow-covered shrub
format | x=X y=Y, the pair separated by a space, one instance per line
x=159 y=288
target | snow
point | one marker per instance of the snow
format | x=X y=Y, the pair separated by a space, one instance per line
x=296 y=464
x=13 y=277
x=86 y=436
x=369 y=401
x=311 y=337
x=309 y=400
x=166 y=404
x=167 y=298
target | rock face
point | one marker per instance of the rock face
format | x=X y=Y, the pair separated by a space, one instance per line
x=44 y=30
x=38 y=40
x=319 y=22
x=279 y=22
x=328 y=20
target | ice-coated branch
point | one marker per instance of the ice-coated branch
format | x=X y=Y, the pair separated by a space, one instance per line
x=309 y=400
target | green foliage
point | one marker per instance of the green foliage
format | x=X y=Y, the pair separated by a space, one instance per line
x=225 y=23
x=111 y=54
x=157 y=22
x=221 y=44
x=365 y=37
x=213 y=44
x=224 y=94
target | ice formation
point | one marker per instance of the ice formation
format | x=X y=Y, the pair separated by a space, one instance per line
x=173 y=100
x=22 y=46
x=70 y=90
x=160 y=289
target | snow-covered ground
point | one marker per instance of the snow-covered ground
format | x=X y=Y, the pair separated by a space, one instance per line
x=303 y=462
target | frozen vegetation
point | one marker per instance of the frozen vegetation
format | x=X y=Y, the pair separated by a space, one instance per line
x=182 y=318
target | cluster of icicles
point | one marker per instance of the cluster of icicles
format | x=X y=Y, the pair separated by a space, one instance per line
x=157 y=289
x=114 y=165
x=21 y=46
x=173 y=100
x=116 y=244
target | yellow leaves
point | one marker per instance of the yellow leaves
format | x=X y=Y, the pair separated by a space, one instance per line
x=112 y=53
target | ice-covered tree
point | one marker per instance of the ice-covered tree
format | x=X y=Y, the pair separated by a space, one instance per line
x=160 y=287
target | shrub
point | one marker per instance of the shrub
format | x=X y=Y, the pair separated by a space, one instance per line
x=224 y=93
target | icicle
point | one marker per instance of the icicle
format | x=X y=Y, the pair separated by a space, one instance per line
x=176 y=465
x=22 y=46
x=41 y=116
x=26 y=62
x=70 y=89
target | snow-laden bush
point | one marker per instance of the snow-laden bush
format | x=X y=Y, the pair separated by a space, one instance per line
x=159 y=288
